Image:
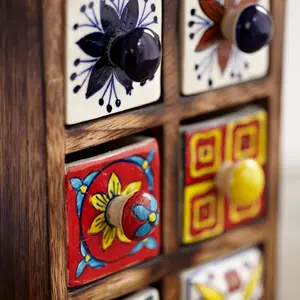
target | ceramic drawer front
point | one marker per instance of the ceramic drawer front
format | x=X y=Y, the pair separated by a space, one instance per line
x=236 y=277
x=146 y=294
x=113 y=56
x=125 y=182
x=210 y=147
x=209 y=59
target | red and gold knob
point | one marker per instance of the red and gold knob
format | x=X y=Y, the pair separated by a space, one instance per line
x=136 y=214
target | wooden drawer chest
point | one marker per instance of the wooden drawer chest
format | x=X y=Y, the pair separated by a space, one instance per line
x=139 y=148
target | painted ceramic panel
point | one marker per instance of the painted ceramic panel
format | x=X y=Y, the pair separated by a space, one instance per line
x=208 y=61
x=95 y=84
x=96 y=248
x=147 y=294
x=248 y=138
x=207 y=146
x=236 y=277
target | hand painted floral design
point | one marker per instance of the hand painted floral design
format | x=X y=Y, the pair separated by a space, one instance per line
x=234 y=284
x=150 y=215
x=88 y=260
x=100 y=201
x=208 y=293
x=116 y=17
x=149 y=243
x=81 y=187
x=212 y=40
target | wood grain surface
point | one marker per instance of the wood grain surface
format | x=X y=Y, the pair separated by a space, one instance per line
x=94 y=133
x=274 y=109
x=53 y=34
x=24 y=248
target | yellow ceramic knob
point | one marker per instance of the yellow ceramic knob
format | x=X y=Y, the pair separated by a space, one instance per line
x=243 y=182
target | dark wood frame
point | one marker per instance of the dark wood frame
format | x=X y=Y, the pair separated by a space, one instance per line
x=24 y=258
x=36 y=238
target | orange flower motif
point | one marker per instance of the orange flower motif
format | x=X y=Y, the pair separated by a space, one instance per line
x=215 y=11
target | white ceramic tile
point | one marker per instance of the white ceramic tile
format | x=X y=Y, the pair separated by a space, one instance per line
x=199 y=69
x=86 y=16
x=147 y=294
x=229 y=278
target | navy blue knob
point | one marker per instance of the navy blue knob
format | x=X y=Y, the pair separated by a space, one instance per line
x=254 y=28
x=137 y=53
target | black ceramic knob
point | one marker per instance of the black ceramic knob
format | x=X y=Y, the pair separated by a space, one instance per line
x=254 y=28
x=137 y=53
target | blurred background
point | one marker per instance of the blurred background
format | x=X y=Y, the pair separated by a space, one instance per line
x=289 y=237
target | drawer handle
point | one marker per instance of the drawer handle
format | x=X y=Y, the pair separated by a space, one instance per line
x=249 y=28
x=243 y=182
x=137 y=53
x=136 y=214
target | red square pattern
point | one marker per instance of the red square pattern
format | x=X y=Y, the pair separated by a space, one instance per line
x=238 y=138
x=247 y=140
x=205 y=214
x=88 y=259
x=208 y=138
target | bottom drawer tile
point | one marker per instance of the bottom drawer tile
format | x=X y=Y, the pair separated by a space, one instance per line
x=236 y=277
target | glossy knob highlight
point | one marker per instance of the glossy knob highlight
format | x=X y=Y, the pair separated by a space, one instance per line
x=243 y=182
x=137 y=53
x=249 y=28
x=136 y=214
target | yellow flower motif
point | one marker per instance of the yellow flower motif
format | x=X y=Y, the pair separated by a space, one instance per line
x=208 y=293
x=145 y=165
x=83 y=189
x=152 y=217
x=87 y=258
x=100 y=201
x=254 y=281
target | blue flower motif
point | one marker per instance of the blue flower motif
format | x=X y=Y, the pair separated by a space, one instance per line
x=144 y=214
x=149 y=243
x=145 y=165
x=81 y=186
x=99 y=73
x=87 y=260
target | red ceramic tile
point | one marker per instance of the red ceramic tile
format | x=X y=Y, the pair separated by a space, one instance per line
x=204 y=153
x=207 y=146
x=95 y=248
x=203 y=205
